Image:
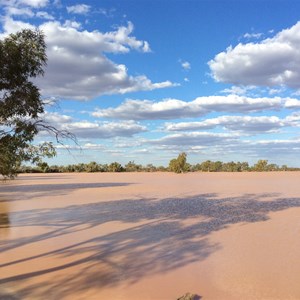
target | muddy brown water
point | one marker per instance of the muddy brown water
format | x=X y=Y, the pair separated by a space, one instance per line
x=150 y=236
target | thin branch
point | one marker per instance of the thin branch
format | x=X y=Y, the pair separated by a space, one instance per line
x=58 y=134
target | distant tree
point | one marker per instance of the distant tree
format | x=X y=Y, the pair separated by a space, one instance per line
x=272 y=167
x=131 y=166
x=161 y=169
x=261 y=165
x=179 y=164
x=244 y=166
x=91 y=167
x=231 y=167
x=206 y=166
x=216 y=166
x=103 y=168
x=54 y=169
x=115 y=167
x=150 y=168
x=43 y=166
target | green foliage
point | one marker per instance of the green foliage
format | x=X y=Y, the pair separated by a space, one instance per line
x=150 y=168
x=206 y=166
x=115 y=167
x=131 y=166
x=179 y=164
x=261 y=165
x=22 y=57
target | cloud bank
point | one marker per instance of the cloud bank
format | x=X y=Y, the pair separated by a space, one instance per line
x=174 y=108
x=271 y=62
x=78 y=68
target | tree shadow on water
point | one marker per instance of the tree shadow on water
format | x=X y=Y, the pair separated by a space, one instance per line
x=156 y=239
x=42 y=190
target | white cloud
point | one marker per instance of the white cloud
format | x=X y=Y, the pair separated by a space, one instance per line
x=34 y=3
x=121 y=41
x=77 y=67
x=293 y=119
x=44 y=15
x=149 y=110
x=186 y=65
x=271 y=62
x=278 y=148
x=91 y=146
x=174 y=108
x=72 y=24
x=276 y=91
x=237 y=90
x=104 y=130
x=241 y=104
x=216 y=146
x=194 y=139
x=292 y=103
x=91 y=129
x=79 y=9
x=16 y=11
x=12 y=26
x=253 y=35
x=56 y=119
x=246 y=124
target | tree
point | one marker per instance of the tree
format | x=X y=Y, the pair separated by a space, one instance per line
x=179 y=164
x=261 y=165
x=216 y=166
x=272 y=167
x=43 y=166
x=244 y=166
x=150 y=168
x=22 y=58
x=115 y=167
x=131 y=166
x=206 y=166
x=231 y=167
x=91 y=167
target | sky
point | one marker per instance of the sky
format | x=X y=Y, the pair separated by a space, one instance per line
x=143 y=80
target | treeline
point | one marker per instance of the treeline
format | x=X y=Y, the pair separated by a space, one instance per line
x=91 y=167
x=180 y=165
x=177 y=165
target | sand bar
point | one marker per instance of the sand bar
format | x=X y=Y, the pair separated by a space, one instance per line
x=150 y=236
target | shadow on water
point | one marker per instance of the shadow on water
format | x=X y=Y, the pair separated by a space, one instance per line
x=43 y=176
x=43 y=190
x=7 y=296
x=158 y=240
x=4 y=221
x=4 y=215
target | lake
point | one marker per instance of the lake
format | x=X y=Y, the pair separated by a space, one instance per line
x=150 y=236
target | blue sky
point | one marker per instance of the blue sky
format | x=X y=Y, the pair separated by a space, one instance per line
x=145 y=80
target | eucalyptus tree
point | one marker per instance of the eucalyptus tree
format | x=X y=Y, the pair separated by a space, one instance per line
x=179 y=164
x=22 y=59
